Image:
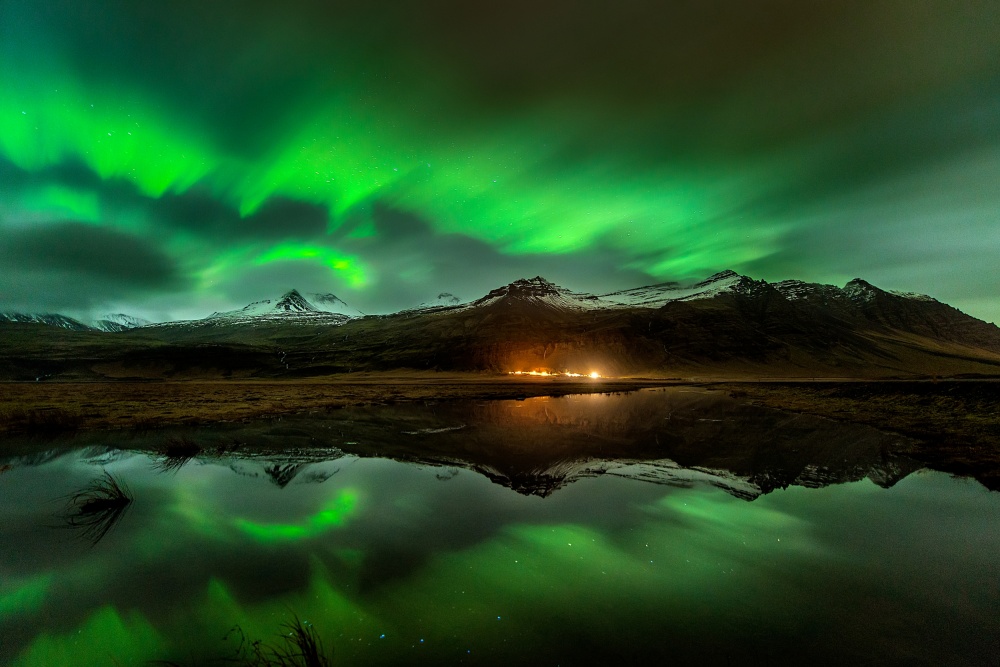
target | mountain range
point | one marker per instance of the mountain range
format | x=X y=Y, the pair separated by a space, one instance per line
x=110 y=322
x=726 y=324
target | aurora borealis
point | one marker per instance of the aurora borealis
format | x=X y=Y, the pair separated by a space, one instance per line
x=173 y=159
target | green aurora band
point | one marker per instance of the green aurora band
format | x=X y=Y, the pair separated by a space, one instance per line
x=629 y=174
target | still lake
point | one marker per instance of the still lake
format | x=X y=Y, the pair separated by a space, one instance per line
x=669 y=525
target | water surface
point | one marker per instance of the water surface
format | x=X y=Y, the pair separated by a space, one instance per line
x=670 y=525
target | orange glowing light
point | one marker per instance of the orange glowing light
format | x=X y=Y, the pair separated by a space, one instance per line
x=593 y=374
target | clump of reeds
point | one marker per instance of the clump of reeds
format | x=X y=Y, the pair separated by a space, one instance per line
x=98 y=508
x=175 y=453
x=300 y=646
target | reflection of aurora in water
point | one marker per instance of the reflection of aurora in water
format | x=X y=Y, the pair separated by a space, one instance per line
x=396 y=564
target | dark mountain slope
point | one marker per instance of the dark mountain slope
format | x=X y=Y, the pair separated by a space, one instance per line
x=728 y=324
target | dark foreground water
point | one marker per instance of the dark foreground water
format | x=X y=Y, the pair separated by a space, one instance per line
x=667 y=526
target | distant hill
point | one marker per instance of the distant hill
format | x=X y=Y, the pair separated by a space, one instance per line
x=728 y=324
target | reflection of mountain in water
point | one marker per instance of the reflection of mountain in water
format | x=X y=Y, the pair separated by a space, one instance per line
x=675 y=436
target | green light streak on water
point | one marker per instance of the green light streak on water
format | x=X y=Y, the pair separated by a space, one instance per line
x=106 y=637
x=333 y=514
x=693 y=565
x=514 y=584
x=25 y=596
x=319 y=603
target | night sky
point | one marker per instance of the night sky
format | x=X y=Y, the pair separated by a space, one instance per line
x=170 y=159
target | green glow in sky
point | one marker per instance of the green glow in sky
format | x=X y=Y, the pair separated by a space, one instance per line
x=50 y=118
x=640 y=143
x=61 y=202
x=349 y=267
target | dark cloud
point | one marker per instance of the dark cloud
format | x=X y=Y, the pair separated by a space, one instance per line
x=74 y=267
x=285 y=218
x=196 y=210
x=86 y=250
x=70 y=173
x=204 y=214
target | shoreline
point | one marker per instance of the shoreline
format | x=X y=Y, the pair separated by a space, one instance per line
x=52 y=407
x=954 y=423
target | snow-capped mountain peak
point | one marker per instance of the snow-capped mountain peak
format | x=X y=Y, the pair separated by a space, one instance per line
x=655 y=296
x=291 y=307
x=290 y=303
x=52 y=319
x=119 y=322
x=540 y=291
x=861 y=290
x=331 y=303
x=444 y=301
x=726 y=275
x=293 y=302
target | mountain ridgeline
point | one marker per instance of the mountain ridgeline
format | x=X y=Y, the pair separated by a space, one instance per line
x=727 y=325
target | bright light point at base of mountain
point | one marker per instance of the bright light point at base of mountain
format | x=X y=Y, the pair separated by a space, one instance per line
x=567 y=374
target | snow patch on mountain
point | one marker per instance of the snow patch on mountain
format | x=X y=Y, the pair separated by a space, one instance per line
x=114 y=322
x=331 y=303
x=291 y=303
x=540 y=291
x=656 y=296
x=292 y=307
x=51 y=319
x=857 y=290
x=912 y=295
x=797 y=290
x=861 y=290
x=444 y=301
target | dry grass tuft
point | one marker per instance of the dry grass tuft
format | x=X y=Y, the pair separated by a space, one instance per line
x=175 y=453
x=300 y=646
x=98 y=508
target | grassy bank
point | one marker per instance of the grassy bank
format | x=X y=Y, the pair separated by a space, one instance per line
x=67 y=406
